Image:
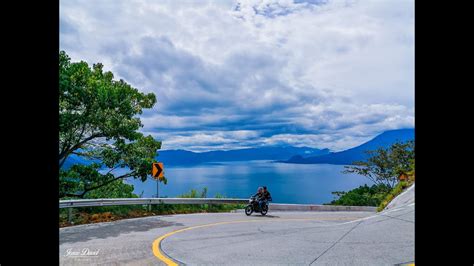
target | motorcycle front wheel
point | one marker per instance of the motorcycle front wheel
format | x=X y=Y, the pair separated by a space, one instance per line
x=248 y=210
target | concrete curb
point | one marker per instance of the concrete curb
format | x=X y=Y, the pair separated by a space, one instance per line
x=308 y=207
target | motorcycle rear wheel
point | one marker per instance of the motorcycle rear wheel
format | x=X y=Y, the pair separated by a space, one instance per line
x=264 y=210
x=248 y=210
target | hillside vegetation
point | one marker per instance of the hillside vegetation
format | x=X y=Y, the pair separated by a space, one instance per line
x=391 y=170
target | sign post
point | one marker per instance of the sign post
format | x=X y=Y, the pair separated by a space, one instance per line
x=158 y=173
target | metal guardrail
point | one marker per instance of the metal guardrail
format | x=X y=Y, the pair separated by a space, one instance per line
x=146 y=201
x=151 y=201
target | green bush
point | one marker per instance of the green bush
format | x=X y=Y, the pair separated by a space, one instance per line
x=362 y=196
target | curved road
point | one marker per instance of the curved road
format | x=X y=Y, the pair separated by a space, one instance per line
x=290 y=238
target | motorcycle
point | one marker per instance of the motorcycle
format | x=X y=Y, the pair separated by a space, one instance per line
x=253 y=207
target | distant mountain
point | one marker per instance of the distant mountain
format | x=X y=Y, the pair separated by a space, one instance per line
x=358 y=153
x=183 y=157
x=301 y=155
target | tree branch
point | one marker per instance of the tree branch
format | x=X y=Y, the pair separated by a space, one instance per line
x=65 y=154
x=113 y=169
x=107 y=182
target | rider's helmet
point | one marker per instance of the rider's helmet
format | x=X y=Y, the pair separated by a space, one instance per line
x=260 y=189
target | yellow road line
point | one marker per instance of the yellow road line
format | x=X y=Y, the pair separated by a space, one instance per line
x=170 y=262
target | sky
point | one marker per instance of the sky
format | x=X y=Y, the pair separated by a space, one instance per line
x=238 y=74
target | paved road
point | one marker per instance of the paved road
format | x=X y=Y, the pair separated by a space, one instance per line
x=281 y=238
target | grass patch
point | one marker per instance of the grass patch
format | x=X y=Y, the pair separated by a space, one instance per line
x=397 y=190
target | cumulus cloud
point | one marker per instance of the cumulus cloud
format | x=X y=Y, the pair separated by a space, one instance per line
x=233 y=74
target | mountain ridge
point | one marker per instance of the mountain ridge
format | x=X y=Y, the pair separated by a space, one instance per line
x=180 y=157
x=285 y=154
x=357 y=153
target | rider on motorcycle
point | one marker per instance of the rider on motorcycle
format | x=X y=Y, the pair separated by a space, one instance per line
x=259 y=193
x=258 y=196
x=265 y=197
x=258 y=202
x=262 y=196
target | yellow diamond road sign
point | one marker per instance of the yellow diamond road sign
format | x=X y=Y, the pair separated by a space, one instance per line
x=157 y=171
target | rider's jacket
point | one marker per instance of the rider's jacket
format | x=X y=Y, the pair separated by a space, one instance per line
x=266 y=196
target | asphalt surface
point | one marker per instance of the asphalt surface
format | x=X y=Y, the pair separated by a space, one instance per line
x=280 y=238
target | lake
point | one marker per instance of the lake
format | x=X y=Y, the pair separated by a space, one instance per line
x=288 y=183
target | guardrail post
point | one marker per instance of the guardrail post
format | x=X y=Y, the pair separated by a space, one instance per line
x=69 y=215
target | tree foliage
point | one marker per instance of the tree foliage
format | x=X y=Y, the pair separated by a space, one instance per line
x=98 y=120
x=385 y=165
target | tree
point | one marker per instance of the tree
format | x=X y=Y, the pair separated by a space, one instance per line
x=98 y=120
x=385 y=165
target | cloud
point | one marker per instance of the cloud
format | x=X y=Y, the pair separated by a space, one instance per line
x=327 y=74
